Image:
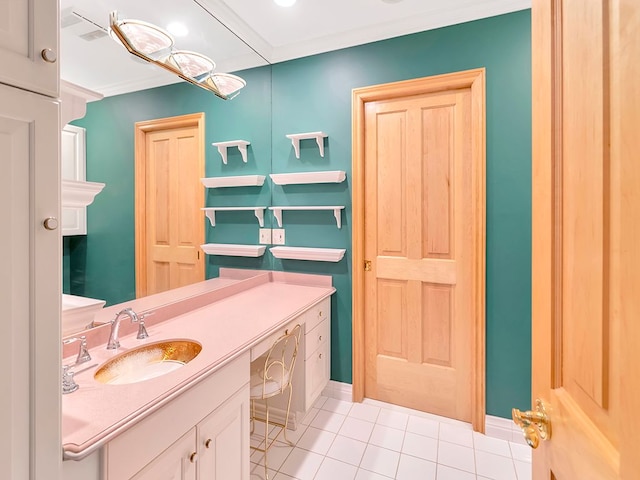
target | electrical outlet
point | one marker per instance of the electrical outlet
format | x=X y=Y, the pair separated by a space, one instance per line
x=265 y=236
x=278 y=236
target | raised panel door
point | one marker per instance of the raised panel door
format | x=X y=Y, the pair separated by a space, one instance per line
x=27 y=27
x=30 y=286
x=223 y=440
x=178 y=462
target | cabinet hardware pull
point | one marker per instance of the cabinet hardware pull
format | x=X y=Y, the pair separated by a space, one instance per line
x=320 y=338
x=193 y=458
x=48 y=55
x=207 y=444
x=50 y=223
x=320 y=356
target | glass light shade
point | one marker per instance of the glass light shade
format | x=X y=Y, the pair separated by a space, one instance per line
x=154 y=45
x=227 y=84
x=191 y=64
x=146 y=38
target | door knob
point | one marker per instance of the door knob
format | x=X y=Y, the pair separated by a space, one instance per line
x=535 y=424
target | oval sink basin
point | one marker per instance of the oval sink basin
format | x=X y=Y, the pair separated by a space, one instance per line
x=148 y=361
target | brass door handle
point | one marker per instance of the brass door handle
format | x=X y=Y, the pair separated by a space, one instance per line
x=535 y=425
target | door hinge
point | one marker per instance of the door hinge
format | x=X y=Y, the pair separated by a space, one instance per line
x=367 y=265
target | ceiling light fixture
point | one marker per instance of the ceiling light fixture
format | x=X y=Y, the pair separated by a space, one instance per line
x=178 y=29
x=153 y=44
x=284 y=3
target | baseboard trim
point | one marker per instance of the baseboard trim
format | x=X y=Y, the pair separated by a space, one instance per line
x=496 y=427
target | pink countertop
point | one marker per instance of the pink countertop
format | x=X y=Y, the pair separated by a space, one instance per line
x=227 y=315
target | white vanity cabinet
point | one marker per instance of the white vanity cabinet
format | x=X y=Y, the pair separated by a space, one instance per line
x=313 y=364
x=202 y=434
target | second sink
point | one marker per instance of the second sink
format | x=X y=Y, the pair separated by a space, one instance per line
x=148 y=361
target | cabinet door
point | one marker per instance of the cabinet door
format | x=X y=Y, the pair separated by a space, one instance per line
x=73 y=160
x=223 y=440
x=27 y=28
x=30 y=292
x=178 y=462
x=317 y=374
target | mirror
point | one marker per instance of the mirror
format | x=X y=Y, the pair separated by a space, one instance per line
x=101 y=264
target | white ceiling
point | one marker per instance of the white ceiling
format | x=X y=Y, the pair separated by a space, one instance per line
x=239 y=34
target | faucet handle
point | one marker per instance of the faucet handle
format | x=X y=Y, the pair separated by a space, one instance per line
x=83 y=352
x=69 y=385
x=142 y=331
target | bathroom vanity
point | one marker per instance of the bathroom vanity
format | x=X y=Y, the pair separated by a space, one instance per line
x=193 y=422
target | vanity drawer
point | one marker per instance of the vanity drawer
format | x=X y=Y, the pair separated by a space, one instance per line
x=263 y=347
x=316 y=337
x=317 y=314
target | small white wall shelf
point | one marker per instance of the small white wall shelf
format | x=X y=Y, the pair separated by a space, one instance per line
x=233 y=250
x=79 y=194
x=296 y=137
x=333 y=176
x=210 y=212
x=277 y=212
x=222 y=148
x=240 y=181
x=305 y=253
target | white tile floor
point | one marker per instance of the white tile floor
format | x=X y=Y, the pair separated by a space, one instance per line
x=375 y=441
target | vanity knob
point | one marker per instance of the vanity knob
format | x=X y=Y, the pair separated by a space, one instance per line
x=207 y=444
x=320 y=356
x=193 y=458
x=50 y=223
x=320 y=338
x=49 y=55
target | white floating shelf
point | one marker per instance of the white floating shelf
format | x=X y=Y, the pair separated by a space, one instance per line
x=240 y=181
x=222 y=148
x=210 y=212
x=296 y=137
x=233 y=250
x=79 y=194
x=305 y=253
x=277 y=212
x=333 y=176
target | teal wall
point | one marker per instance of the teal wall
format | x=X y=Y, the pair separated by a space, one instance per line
x=314 y=93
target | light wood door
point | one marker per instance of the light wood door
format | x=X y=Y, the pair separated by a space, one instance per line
x=170 y=223
x=586 y=217
x=419 y=312
x=30 y=286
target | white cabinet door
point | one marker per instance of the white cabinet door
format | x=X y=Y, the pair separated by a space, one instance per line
x=30 y=293
x=223 y=440
x=73 y=159
x=178 y=462
x=27 y=28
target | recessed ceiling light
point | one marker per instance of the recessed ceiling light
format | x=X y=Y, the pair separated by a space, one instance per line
x=178 y=29
x=285 y=3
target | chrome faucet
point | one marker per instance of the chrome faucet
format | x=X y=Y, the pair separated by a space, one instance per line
x=68 y=383
x=113 y=342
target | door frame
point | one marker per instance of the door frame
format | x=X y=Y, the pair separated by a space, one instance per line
x=475 y=81
x=140 y=191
